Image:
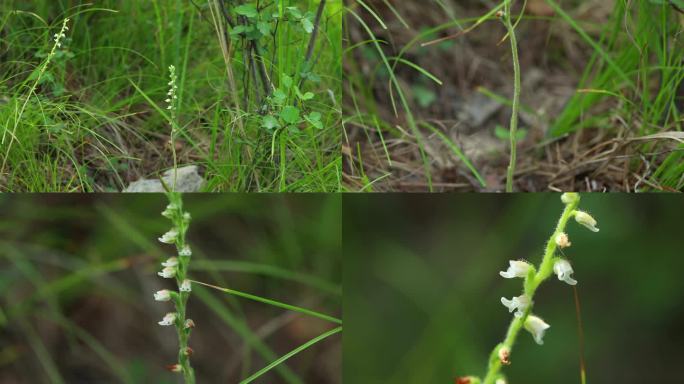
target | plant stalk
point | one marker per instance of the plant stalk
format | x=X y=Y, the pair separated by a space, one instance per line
x=516 y=95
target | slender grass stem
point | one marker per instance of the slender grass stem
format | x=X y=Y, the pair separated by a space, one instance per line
x=516 y=95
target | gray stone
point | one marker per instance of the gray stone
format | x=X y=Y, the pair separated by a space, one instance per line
x=187 y=180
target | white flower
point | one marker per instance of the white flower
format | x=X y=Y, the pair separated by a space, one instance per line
x=516 y=268
x=586 y=220
x=169 y=211
x=563 y=269
x=186 y=216
x=168 y=319
x=167 y=272
x=537 y=327
x=185 y=251
x=163 y=295
x=170 y=262
x=169 y=237
x=562 y=240
x=500 y=381
x=189 y=323
x=518 y=304
x=185 y=286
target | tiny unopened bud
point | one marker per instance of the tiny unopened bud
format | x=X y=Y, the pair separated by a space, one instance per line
x=170 y=262
x=174 y=368
x=170 y=211
x=188 y=351
x=504 y=355
x=465 y=380
x=562 y=240
x=586 y=220
x=500 y=14
x=500 y=381
x=189 y=323
x=569 y=197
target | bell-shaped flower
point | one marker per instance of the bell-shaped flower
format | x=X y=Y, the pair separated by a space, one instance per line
x=516 y=268
x=163 y=295
x=518 y=304
x=169 y=319
x=170 y=236
x=586 y=220
x=167 y=272
x=185 y=286
x=185 y=251
x=537 y=327
x=563 y=269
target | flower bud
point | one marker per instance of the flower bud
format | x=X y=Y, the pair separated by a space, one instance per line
x=518 y=304
x=505 y=355
x=569 y=197
x=189 y=324
x=168 y=319
x=537 y=327
x=170 y=211
x=170 y=262
x=563 y=269
x=174 y=367
x=188 y=351
x=586 y=220
x=562 y=240
x=516 y=268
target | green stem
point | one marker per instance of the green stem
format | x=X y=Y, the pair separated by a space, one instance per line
x=543 y=272
x=516 y=95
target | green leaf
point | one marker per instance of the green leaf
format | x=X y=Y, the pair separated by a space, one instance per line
x=247 y=10
x=264 y=28
x=314 y=118
x=287 y=81
x=279 y=97
x=504 y=134
x=294 y=11
x=290 y=114
x=237 y=31
x=269 y=122
x=423 y=96
x=307 y=25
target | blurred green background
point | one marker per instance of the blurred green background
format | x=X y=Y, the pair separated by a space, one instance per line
x=78 y=273
x=422 y=288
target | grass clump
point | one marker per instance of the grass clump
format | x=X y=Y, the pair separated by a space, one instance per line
x=257 y=105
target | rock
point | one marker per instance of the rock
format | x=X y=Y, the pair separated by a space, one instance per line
x=187 y=180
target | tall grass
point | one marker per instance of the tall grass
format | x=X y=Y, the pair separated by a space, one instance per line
x=634 y=72
x=97 y=120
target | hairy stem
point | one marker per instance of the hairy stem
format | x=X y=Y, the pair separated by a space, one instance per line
x=531 y=284
x=516 y=95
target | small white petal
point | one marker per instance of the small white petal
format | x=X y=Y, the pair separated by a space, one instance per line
x=168 y=319
x=537 y=327
x=163 y=295
x=518 y=304
x=563 y=269
x=170 y=262
x=185 y=251
x=516 y=268
x=169 y=237
x=167 y=272
x=185 y=286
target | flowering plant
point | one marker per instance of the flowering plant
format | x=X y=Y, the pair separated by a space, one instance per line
x=177 y=268
x=532 y=278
